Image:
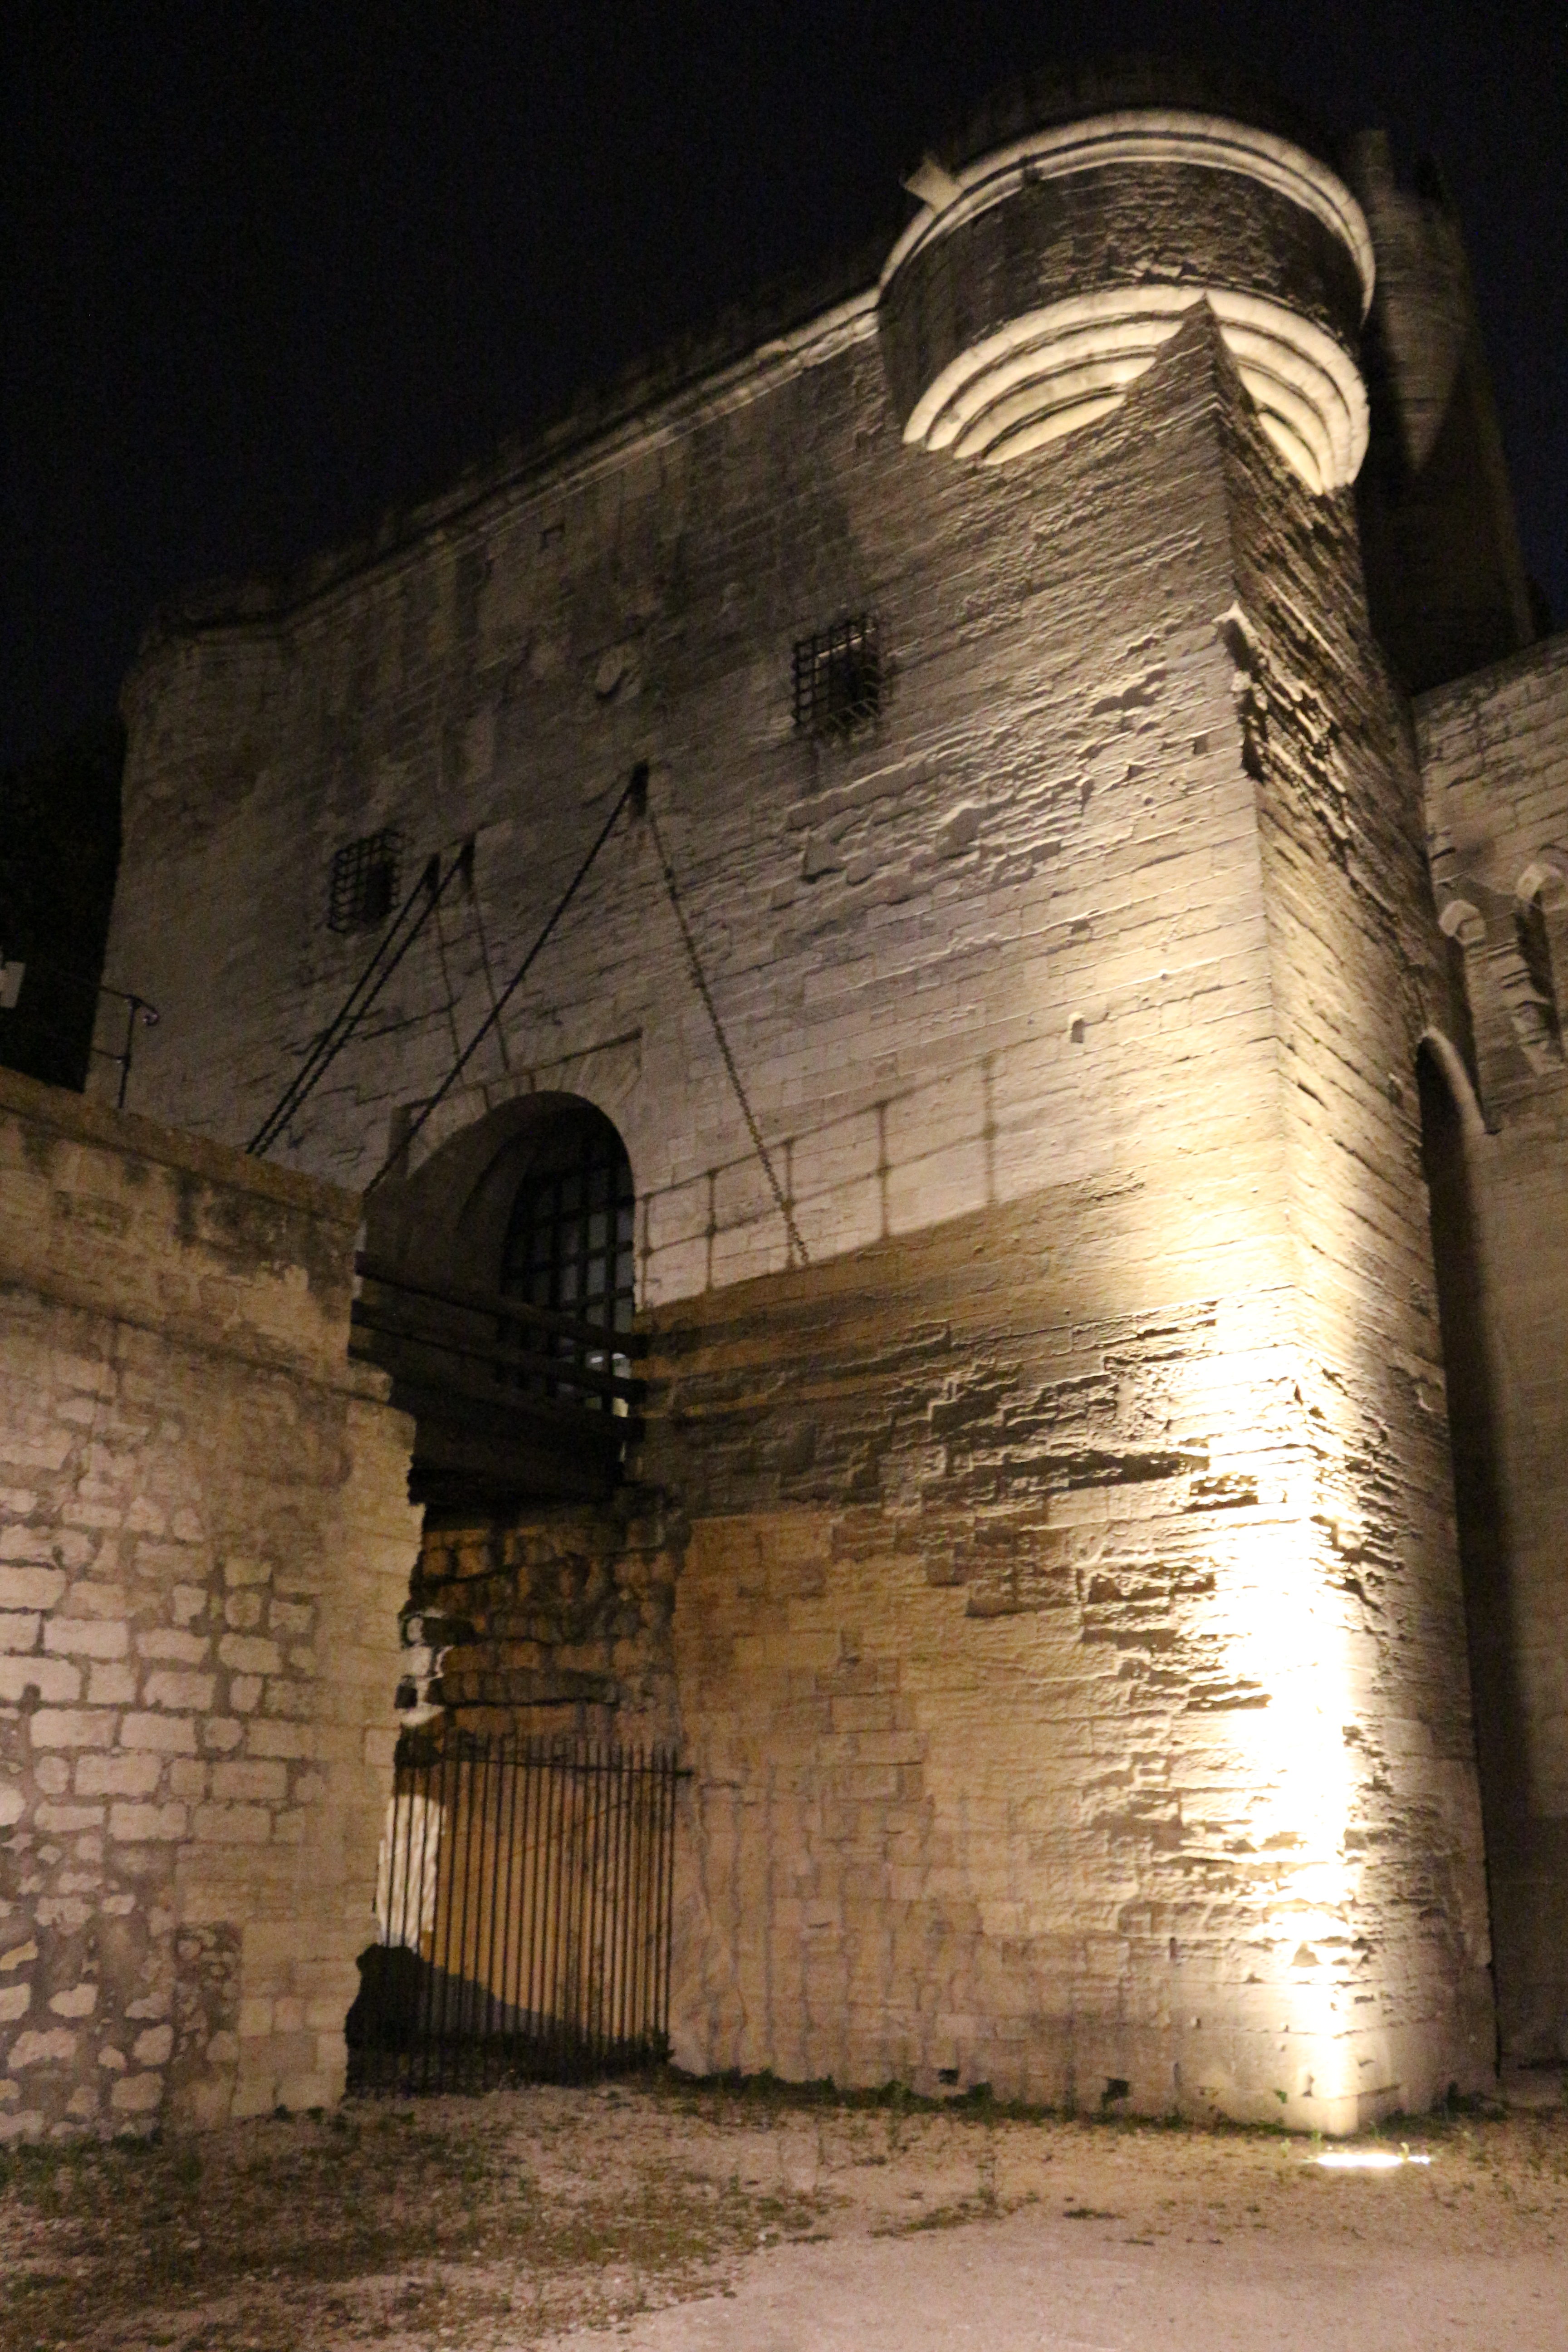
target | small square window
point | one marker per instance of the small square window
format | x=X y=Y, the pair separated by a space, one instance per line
x=364 y=881
x=838 y=678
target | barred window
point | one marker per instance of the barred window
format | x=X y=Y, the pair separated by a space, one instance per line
x=838 y=678
x=364 y=881
x=569 y=1246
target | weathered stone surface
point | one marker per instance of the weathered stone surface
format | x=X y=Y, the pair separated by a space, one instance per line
x=206 y=1337
x=560 y=1623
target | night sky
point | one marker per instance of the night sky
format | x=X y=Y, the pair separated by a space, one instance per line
x=266 y=269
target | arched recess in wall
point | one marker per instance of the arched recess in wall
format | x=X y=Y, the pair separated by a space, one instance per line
x=1541 y=924
x=1464 y=938
x=1453 y=1136
x=500 y=1294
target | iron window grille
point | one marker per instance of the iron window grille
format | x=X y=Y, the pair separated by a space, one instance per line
x=364 y=881
x=569 y=1249
x=838 y=678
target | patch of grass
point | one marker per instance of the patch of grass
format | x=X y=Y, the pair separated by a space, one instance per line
x=938 y=2217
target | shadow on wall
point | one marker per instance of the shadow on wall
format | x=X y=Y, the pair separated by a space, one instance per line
x=917 y=1156
x=1450 y=1128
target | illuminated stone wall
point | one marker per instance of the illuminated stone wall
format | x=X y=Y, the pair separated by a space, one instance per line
x=204 y=1541
x=1495 y=762
x=1079 y=1697
x=1068 y=1634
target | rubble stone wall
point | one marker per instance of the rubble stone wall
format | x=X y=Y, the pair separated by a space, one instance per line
x=557 y=1621
x=204 y=1541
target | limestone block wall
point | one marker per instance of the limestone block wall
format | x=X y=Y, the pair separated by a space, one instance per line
x=1035 y=1740
x=915 y=935
x=204 y=1541
x=1356 y=979
x=1494 y=753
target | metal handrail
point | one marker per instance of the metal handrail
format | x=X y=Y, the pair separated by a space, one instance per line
x=630 y=1344
x=562 y=1369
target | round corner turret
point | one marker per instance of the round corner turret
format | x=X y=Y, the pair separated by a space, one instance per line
x=1062 y=240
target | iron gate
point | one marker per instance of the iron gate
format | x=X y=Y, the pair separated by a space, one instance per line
x=524 y=1897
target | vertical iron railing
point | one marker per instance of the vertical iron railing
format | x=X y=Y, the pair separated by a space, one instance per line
x=525 y=1895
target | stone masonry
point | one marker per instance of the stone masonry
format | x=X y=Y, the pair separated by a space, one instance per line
x=558 y=1624
x=203 y=1544
x=1054 y=1579
x=1495 y=758
x=1097 y=1461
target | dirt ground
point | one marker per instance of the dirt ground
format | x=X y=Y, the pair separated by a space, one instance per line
x=664 y=2214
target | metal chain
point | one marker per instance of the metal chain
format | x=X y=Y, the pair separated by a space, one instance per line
x=700 y=980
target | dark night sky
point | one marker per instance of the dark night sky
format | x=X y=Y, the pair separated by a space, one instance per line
x=266 y=267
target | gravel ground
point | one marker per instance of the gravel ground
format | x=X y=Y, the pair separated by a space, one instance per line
x=666 y=2215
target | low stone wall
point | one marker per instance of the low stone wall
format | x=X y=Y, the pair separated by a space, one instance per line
x=205 y=1540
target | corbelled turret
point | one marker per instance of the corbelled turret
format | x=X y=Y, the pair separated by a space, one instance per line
x=1040 y=279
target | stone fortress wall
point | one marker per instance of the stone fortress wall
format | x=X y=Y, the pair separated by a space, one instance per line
x=1494 y=751
x=204 y=1545
x=1068 y=1632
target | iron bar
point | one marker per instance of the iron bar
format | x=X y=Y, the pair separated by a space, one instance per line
x=559 y=1371
x=533 y=1815
x=528 y=1912
x=501 y=1303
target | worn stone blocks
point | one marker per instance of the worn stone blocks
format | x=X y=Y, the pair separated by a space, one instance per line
x=1494 y=751
x=114 y=1911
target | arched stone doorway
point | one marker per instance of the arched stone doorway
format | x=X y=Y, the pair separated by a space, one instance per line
x=500 y=1294
x=528 y=1848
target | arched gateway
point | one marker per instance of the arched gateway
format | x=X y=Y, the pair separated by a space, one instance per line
x=498 y=1292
